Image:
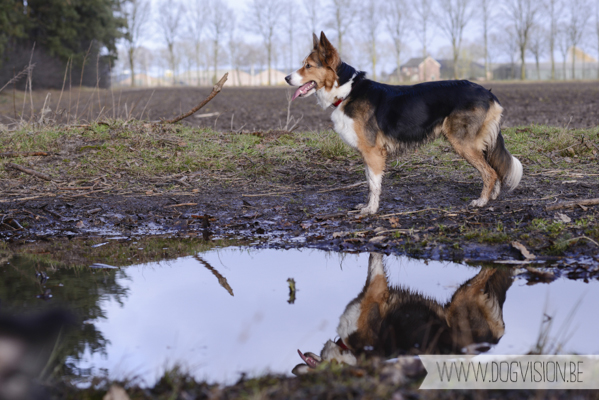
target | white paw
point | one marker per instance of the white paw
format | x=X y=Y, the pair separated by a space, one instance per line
x=496 y=190
x=479 y=202
x=360 y=206
x=367 y=210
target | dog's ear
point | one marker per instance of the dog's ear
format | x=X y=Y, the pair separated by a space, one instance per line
x=328 y=52
x=315 y=41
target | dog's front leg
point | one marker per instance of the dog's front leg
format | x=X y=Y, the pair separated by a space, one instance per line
x=374 y=191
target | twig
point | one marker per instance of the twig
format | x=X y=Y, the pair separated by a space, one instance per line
x=14 y=154
x=148 y=102
x=268 y=194
x=181 y=205
x=215 y=90
x=29 y=171
x=572 y=204
x=342 y=187
x=418 y=211
x=25 y=71
x=76 y=188
x=584 y=237
x=64 y=81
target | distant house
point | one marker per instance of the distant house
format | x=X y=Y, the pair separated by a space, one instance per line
x=420 y=69
x=466 y=70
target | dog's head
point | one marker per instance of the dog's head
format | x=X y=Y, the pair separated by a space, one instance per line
x=319 y=70
x=331 y=352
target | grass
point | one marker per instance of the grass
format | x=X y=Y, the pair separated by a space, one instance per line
x=64 y=253
x=143 y=151
x=140 y=150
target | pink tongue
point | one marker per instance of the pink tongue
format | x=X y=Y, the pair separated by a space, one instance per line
x=301 y=90
x=297 y=93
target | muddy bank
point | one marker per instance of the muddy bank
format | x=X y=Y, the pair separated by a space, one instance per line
x=423 y=214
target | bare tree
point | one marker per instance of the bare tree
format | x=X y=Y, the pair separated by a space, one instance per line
x=455 y=16
x=486 y=15
x=536 y=45
x=136 y=13
x=397 y=22
x=344 y=13
x=563 y=43
x=523 y=16
x=169 y=22
x=579 y=16
x=196 y=16
x=290 y=22
x=235 y=46
x=423 y=9
x=597 y=30
x=313 y=11
x=217 y=25
x=554 y=10
x=264 y=19
x=371 y=14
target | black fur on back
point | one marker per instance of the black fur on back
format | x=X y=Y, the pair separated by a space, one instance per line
x=409 y=114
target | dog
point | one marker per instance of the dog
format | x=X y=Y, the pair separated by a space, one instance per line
x=382 y=120
x=388 y=321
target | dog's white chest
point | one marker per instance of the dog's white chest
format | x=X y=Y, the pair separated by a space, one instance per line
x=344 y=126
x=348 y=323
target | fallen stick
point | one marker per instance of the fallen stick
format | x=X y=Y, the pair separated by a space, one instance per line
x=215 y=90
x=29 y=171
x=181 y=205
x=572 y=204
x=76 y=188
x=15 y=154
x=267 y=194
x=342 y=187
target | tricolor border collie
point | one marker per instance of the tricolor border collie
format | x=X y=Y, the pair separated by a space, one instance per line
x=389 y=321
x=382 y=120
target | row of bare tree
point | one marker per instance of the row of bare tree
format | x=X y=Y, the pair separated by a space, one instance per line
x=204 y=32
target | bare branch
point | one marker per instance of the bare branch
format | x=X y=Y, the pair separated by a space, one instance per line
x=215 y=90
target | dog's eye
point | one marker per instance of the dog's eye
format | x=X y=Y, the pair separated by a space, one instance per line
x=308 y=66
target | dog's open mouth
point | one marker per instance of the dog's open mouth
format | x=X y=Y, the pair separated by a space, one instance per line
x=304 y=89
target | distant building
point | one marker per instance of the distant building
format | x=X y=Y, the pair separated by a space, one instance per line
x=420 y=69
x=581 y=56
x=466 y=70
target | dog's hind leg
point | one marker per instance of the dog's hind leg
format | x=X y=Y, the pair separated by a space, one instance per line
x=462 y=131
x=477 y=159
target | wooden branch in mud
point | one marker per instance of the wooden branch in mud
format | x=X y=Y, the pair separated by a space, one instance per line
x=572 y=204
x=14 y=154
x=215 y=90
x=343 y=187
x=181 y=205
x=29 y=171
x=76 y=188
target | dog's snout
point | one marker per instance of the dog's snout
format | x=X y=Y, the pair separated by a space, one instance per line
x=288 y=79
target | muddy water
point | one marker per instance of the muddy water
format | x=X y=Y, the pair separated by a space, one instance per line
x=231 y=310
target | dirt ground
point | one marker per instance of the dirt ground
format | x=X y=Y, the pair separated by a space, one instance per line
x=572 y=104
x=307 y=201
x=424 y=212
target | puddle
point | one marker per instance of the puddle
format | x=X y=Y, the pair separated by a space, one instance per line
x=230 y=311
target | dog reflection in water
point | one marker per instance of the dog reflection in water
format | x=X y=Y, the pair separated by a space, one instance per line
x=26 y=344
x=388 y=321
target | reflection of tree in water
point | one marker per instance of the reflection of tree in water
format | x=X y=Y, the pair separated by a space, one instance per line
x=24 y=288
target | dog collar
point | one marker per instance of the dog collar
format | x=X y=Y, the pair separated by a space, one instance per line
x=339 y=342
x=336 y=104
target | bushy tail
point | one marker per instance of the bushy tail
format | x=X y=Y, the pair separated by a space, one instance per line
x=508 y=167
